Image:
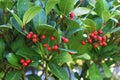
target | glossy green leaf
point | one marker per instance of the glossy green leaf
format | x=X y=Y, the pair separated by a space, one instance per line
x=5 y=26
x=91 y=2
x=94 y=72
x=67 y=50
x=62 y=58
x=66 y=6
x=83 y=56
x=2 y=48
x=33 y=77
x=40 y=18
x=58 y=71
x=101 y=5
x=106 y=16
x=50 y=5
x=115 y=30
x=82 y=11
x=28 y=54
x=30 y=13
x=17 y=19
x=12 y=59
x=107 y=71
x=13 y=75
x=48 y=31
x=22 y=7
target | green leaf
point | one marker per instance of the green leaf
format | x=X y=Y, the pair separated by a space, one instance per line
x=5 y=26
x=28 y=54
x=16 y=25
x=115 y=30
x=22 y=7
x=106 y=16
x=2 y=48
x=82 y=11
x=17 y=18
x=101 y=5
x=1 y=17
x=66 y=6
x=107 y=72
x=12 y=59
x=33 y=77
x=62 y=58
x=83 y=56
x=48 y=31
x=91 y=2
x=58 y=71
x=13 y=75
x=40 y=18
x=30 y=13
x=50 y=5
x=67 y=50
x=94 y=73
x=2 y=74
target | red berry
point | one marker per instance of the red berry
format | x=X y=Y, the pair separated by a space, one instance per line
x=25 y=64
x=71 y=53
x=95 y=45
x=65 y=40
x=95 y=32
x=94 y=37
x=100 y=32
x=45 y=45
x=34 y=40
x=55 y=47
x=104 y=43
x=91 y=35
x=101 y=44
x=72 y=15
x=34 y=36
x=99 y=38
x=89 y=40
x=42 y=36
x=22 y=61
x=31 y=33
x=83 y=42
x=28 y=61
x=28 y=36
x=104 y=38
x=49 y=48
x=52 y=38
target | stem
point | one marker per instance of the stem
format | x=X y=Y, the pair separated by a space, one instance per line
x=46 y=71
x=23 y=74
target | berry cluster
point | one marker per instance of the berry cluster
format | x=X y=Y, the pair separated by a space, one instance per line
x=25 y=63
x=72 y=15
x=96 y=38
x=32 y=36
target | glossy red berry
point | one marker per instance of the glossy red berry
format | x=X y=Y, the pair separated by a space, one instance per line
x=22 y=61
x=42 y=36
x=28 y=61
x=89 y=40
x=71 y=53
x=49 y=48
x=34 y=36
x=28 y=36
x=95 y=45
x=31 y=33
x=100 y=32
x=91 y=35
x=104 y=38
x=34 y=40
x=104 y=43
x=99 y=38
x=95 y=37
x=100 y=43
x=95 y=32
x=72 y=15
x=83 y=42
x=45 y=45
x=52 y=38
x=65 y=40
x=25 y=64
x=55 y=47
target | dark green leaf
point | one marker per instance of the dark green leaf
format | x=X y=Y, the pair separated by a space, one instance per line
x=30 y=13
x=66 y=6
x=1 y=17
x=50 y=5
x=115 y=30
x=2 y=48
x=58 y=71
x=33 y=77
x=94 y=72
x=12 y=59
x=13 y=75
x=107 y=71
x=6 y=27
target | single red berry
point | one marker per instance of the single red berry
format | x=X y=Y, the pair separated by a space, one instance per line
x=91 y=35
x=28 y=61
x=22 y=61
x=95 y=37
x=34 y=36
x=28 y=36
x=100 y=32
x=83 y=42
x=49 y=48
x=72 y=15
x=95 y=32
x=104 y=43
x=34 y=40
x=55 y=47
x=100 y=43
x=42 y=36
x=71 y=53
x=31 y=33
x=99 y=38
x=25 y=64
x=118 y=24
x=89 y=40
x=104 y=38
x=45 y=45
x=95 y=45
x=52 y=38
x=65 y=40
